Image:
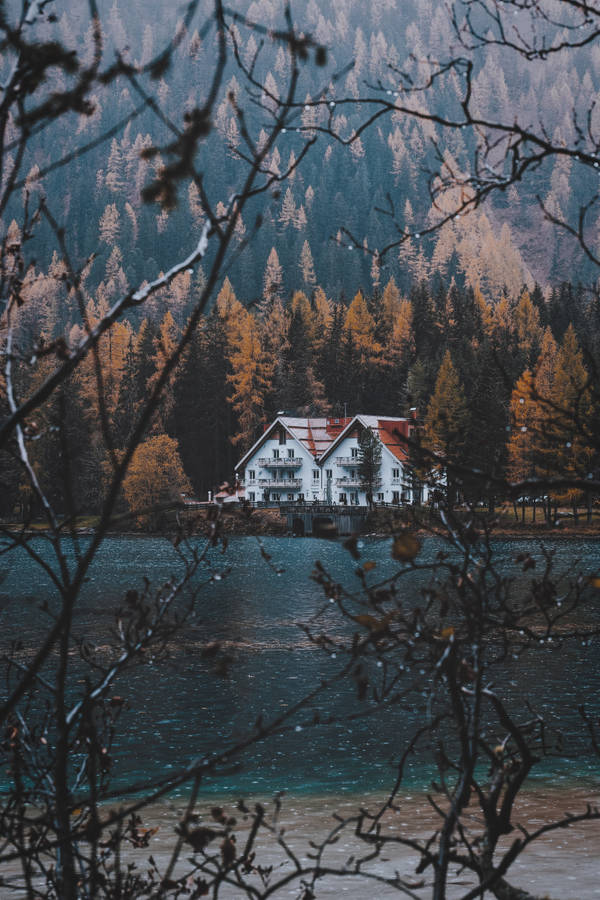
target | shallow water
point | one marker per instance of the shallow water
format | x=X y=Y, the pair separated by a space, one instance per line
x=179 y=711
x=561 y=864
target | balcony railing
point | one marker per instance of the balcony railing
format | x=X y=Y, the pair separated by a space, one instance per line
x=285 y=483
x=284 y=462
x=347 y=460
x=348 y=482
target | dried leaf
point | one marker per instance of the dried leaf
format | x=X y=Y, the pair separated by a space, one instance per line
x=367 y=621
x=406 y=547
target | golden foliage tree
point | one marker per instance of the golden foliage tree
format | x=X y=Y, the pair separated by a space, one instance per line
x=155 y=480
x=446 y=421
x=250 y=383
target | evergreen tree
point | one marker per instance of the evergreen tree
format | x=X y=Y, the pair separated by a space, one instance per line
x=369 y=463
x=202 y=417
x=446 y=423
x=273 y=278
x=307 y=267
x=250 y=384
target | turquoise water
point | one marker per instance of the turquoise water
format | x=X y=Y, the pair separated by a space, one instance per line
x=178 y=710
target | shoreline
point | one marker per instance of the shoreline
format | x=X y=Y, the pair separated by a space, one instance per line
x=561 y=864
x=503 y=532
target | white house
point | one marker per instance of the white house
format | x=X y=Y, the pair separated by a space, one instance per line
x=316 y=459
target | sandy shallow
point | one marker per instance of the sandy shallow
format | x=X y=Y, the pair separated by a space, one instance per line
x=564 y=864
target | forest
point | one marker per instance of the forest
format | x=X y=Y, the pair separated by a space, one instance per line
x=466 y=364
x=212 y=213
x=316 y=313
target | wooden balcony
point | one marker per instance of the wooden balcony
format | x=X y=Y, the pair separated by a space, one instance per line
x=347 y=460
x=284 y=462
x=280 y=483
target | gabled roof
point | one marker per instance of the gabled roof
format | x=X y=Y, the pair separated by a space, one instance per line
x=392 y=432
x=314 y=434
x=321 y=435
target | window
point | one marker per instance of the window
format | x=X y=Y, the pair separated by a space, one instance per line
x=251 y=475
x=290 y=496
x=395 y=473
x=354 y=452
x=275 y=454
x=291 y=453
x=380 y=497
x=251 y=496
x=354 y=498
x=315 y=474
x=282 y=436
x=275 y=496
x=329 y=473
x=343 y=498
x=395 y=497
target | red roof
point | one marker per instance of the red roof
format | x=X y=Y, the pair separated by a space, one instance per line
x=318 y=435
x=394 y=434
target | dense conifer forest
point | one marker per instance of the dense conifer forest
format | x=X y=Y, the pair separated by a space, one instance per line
x=306 y=320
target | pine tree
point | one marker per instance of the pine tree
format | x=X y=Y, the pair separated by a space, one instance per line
x=114 y=179
x=287 y=214
x=528 y=330
x=446 y=423
x=359 y=322
x=164 y=345
x=571 y=413
x=273 y=278
x=307 y=266
x=250 y=385
x=110 y=225
x=202 y=416
x=369 y=463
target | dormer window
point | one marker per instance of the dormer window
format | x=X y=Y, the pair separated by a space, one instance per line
x=282 y=436
x=354 y=452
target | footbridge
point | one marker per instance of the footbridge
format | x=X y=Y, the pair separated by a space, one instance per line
x=324 y=520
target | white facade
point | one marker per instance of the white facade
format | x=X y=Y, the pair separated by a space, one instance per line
x=344 y=484
x=317 y=460
x=281 y=469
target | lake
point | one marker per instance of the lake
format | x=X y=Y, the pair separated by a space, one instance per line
x=179 y=710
